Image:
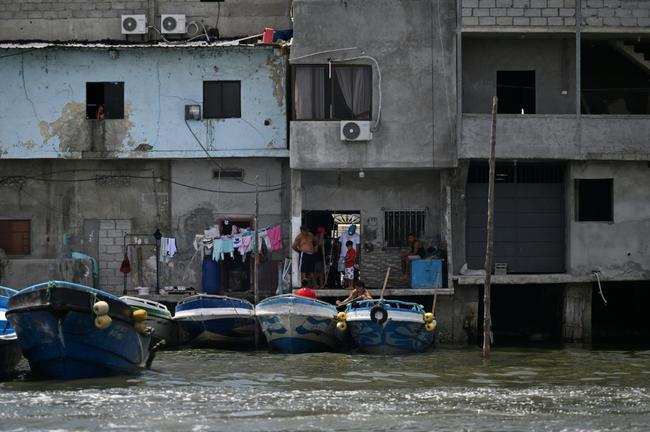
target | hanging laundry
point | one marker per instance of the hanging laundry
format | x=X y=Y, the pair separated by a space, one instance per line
x=217 y=249
x=263 y=239
x=237 y=244
x=162 y=250
x=167 y=248
x=171 y=247
x=228 y=247
x=275 y=237
x=126 y=265
x=246 y=244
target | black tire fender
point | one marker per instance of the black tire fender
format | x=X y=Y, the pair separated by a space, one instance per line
x=378 y=315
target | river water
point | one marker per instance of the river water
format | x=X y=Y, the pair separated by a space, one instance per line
x=444 y=390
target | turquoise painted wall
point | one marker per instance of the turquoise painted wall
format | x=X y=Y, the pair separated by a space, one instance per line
x=43 y=102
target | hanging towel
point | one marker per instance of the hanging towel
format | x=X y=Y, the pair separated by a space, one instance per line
x=171 y=247
x=227 y=247
x=246 y=244
x=275 y=237
x=162 y=252
x=217 y=249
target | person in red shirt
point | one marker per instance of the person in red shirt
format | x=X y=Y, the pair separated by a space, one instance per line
x=350 y=259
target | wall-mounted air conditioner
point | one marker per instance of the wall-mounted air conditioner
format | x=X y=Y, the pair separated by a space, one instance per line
x=355 y=130
x=134 y=24
x=172 y=24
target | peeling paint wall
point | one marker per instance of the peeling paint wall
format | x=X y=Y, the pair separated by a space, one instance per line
x=44 y=103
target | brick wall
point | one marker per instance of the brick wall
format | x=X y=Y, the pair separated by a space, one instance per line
x=111 y=253
x=522 y=13
x=616 y=13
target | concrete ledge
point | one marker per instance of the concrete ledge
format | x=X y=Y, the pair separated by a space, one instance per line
x=532 y=279
x=406 y=292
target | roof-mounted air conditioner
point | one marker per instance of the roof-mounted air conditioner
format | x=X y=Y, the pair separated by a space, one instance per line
x=172 y=23
x=355 y=130
x=134 y=24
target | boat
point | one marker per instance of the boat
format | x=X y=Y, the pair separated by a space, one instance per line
x=10 y=353
x=216 y=321
x=72 y=331
x=389 y=326
x=159 y=319
x=295 y=324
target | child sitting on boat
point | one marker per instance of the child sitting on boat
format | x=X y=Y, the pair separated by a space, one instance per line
x=358 y=293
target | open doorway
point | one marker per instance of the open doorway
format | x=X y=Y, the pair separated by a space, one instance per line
x=236 y=270
x=335 y=223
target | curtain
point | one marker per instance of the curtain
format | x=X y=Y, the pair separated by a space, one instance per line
x=355 y=85
x=309 y=93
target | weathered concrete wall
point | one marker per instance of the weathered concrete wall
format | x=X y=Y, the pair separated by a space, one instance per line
x=520 y=13
x=615 y=13
x=620 y=248
x=553 y=61
x=99 y=19
x=557 y=137
x=66 y=203
x=193 y=211
x=378 y=191
x=44 y=103
x=410 y=64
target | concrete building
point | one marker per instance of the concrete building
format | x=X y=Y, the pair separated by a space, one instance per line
x=97 y=150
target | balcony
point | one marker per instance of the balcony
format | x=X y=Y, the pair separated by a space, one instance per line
x=557 y=136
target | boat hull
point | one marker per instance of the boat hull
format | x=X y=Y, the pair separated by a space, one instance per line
x=10 y=354
x=293 y=324
x=159 y=319
x=402 y=332
x=216 y=321
x=57 y=333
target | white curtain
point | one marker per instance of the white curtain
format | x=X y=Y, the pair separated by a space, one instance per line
x=309 y=93
x=355 y=85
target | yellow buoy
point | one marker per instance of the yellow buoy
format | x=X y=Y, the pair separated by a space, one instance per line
x=140 y=315
x=103 y=321
x=342 y=325
x=100 y=308
x=140 y=327
x=428 y=317
x=340 y=316
x=431 y=326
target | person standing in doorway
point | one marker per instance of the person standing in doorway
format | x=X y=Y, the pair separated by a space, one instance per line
x=350 y=235
x=349 y=261
x=304 y=245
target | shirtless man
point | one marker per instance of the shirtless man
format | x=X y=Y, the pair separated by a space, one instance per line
x=416 y=251
x=304 y=245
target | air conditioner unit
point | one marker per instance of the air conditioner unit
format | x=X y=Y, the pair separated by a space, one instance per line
x=172 y=23
x=134 y=24
x=354 y=130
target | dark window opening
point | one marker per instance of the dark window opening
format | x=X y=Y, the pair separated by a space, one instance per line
x=104 y=100
x=516 y=172
x=594 y=200
x=15 y=236
x=614 y=77
x=236 y=174
x=399 y=223
x=221 y=99
x=346 y=94
x=516 y=92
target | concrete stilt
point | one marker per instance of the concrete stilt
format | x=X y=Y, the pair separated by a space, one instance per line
x=576 y=325
x=296 y=220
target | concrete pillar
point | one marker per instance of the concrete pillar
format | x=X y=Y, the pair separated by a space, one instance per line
x=576 y=324
x=296 y=221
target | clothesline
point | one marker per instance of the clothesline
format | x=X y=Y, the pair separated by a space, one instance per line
x=218 y=245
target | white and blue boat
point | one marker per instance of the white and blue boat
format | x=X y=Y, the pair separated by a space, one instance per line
x=389 y=326
x=294 y=324
x=159 y=319
x=9 y=349
x=71 y=331
x=217 y=321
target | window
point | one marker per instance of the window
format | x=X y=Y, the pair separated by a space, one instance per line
x=221 y=99
x=228 y=174
x=15 y=236
x=399 y=223
x=343 y=92
x=516 y=92
x=105 y=100
x=594 y=200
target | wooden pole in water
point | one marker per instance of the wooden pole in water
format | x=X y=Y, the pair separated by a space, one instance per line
x=381 y=296
x=256 y=278
x=487 y=316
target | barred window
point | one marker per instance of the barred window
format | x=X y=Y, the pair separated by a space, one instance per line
x=399 y=223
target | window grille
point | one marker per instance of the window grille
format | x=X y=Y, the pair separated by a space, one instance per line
x=399 y=223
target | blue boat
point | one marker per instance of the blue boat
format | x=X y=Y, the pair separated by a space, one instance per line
x=71 y=331
x=389 y=326
x=294 y=324
x=9 y=349
x=217 y=321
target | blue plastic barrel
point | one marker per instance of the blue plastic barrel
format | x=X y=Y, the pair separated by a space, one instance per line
x=211 y=278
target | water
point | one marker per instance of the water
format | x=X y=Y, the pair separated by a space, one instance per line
x=445 y=390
